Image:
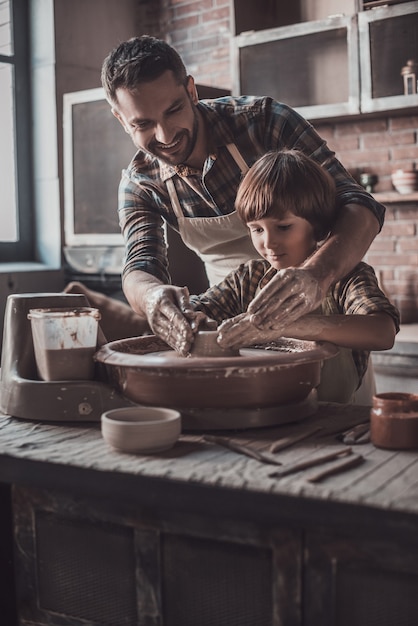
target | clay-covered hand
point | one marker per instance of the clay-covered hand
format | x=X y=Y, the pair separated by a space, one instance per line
x=293 y=292
x=239 y=332
x=171 y=317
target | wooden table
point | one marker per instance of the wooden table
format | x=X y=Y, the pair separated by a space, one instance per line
x=203 y=535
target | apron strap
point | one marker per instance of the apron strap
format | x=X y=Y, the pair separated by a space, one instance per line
x=175 y=203
x=174 y=198
x=237 y=156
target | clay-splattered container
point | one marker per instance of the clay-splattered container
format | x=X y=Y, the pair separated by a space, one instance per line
x=394 y=421
x=145 y=370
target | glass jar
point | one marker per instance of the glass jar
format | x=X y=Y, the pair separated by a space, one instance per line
x=394 y=421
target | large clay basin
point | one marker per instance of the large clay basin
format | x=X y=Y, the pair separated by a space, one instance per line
x=146 y=371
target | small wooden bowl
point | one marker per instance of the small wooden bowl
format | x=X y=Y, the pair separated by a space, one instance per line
x=141 y=429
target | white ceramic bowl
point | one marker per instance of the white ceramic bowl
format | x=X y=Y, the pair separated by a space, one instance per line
x=405 y=181
x=141 y=429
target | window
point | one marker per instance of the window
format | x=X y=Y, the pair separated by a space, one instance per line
x=16 y=225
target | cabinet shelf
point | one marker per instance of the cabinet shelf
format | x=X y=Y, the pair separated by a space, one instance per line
x=255 y=15
x=323 y=83
x=388 y=37
x=372 y=4
x=339 y=66
x=393 y=197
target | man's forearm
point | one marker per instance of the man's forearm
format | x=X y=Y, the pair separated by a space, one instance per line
x=349 y=241
x=135 y=285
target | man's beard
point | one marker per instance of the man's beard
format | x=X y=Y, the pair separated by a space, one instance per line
x=154 y=151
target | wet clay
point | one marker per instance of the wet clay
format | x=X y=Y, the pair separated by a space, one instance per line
x=66 y=364
x=205 y=344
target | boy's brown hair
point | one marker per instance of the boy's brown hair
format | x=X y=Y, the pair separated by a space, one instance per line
x=288 y=181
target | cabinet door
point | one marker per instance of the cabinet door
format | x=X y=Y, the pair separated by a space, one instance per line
x=388 y=38
x=360 y=582
x=80 y=562
x=311 y=66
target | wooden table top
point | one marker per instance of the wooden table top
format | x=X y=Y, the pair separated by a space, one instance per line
x=75 y=456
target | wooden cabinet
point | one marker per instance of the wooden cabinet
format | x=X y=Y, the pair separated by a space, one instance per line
x=90 y=561
x=355 y=579
x=251 y=15
x=312 y=66
x=201 y=536
x=388 y=38
x=326 y=59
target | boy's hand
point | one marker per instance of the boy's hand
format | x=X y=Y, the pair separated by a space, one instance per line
x=239 y=331
x=289 y=296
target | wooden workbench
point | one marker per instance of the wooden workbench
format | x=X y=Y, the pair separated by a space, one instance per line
x=202 y=521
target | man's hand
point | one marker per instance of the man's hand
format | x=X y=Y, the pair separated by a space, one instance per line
x=170 y=316
x=292 y=293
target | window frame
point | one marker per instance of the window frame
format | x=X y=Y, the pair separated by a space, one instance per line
x=23 y=248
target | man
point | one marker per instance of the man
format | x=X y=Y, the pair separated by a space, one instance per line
x=191 y=157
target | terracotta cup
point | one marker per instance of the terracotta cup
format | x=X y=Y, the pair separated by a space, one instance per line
x=394 y=421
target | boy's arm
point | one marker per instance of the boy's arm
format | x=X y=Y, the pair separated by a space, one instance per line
x=375 y=331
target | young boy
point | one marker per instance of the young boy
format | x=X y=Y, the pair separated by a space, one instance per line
x=287 y=202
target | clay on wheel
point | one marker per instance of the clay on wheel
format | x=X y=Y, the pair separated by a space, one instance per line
x=205 y=344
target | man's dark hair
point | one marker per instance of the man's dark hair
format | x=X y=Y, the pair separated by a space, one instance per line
x=139 y=60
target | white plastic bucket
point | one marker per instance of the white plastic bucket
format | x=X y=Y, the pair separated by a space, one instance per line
x=64 y=342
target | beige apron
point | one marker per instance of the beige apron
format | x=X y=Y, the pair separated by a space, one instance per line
x=222 y=242
x=339 y=377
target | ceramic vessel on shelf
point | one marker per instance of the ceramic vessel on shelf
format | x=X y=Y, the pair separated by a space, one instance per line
x=141 y=429
x=405 y=181
x=368 y=181
x=394 y=421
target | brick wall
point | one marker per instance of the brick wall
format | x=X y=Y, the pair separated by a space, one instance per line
x=377 y=145
x=394 y=255
x=201 y=31
x=381 y=145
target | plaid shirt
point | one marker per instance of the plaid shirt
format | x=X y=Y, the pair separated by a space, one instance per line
x=357 y=294
x=255 y=125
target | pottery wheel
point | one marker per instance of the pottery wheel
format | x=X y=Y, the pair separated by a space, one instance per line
x=260 y=387
x=150 y=352
x=238 y=419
